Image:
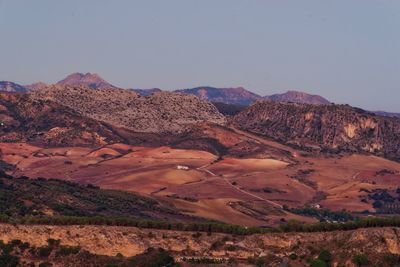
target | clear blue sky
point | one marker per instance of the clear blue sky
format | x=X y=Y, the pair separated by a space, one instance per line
x=345 y=50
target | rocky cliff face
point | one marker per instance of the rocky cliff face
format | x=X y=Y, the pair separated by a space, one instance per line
x=334 y=127
x=163 y=112
x=381 y=245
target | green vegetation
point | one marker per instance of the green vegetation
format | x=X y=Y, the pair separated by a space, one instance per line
x=318 y=263
x=324 y=214
x=11 y=255
x=23 y=201
x=360 y=259
x=257 y=261
x=204 y=260
x=325 y=256
x=153 y=258
x=26 y=197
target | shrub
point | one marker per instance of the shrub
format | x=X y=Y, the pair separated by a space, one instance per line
x=68 y=250
x=360 y=259
x=53 y=242
x=293 y=256
x=8 y=260
x=45 y=251
x=325 y=256
x=318 y=263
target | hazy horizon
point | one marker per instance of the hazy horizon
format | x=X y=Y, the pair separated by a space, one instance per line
x=345 y=51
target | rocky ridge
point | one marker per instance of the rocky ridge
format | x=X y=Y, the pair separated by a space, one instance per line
x=163 y=112
x=332 y=127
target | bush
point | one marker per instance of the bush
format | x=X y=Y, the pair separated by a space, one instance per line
x=360 y=259
x=53 y=242
x=153 y=258
x=8 y=260
x=45 y=251
x=318 y=263
x=293 y=256
x=68 y=250
x=325 y=256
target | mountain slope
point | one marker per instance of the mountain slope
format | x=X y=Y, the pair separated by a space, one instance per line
x=40 y=197
x=92 y=80
x=237 y=95
x=24 y=119
x=338 y=127
x=12 y=87
x=298 y=97
x=163 y=112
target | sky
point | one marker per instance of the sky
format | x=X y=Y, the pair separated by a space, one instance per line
x=345 y=50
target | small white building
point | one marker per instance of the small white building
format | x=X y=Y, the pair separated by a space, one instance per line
x=182 y=167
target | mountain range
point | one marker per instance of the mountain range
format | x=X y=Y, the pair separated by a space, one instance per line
x=230 y=99
x=235 y=96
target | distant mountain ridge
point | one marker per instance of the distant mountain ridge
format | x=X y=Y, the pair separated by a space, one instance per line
x=11 y=87
x=146 y=92
x=298 y=97
x=92 y=80
x=36 y=86
x=387 y=114
x=237 y=96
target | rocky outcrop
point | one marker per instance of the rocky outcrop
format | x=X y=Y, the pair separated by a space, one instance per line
x=376 y=243
x=333 y=127
x=163 y=112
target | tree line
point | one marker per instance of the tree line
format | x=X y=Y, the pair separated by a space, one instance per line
x=211 y=227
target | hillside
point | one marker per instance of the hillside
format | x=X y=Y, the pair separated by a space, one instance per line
x=91 y=80
x=24 y=119
x=158 y=113
x=333 y=127
x=12 y=87
x=238 y=95
x=298 y=97
x=50 y=197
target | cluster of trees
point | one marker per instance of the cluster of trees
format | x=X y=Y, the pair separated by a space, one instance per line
x=123 y=221
x=295 y=226
x=204 y=260
x=324 y=214
x=210 y=227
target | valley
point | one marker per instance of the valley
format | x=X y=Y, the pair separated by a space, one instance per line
x=249 y=190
